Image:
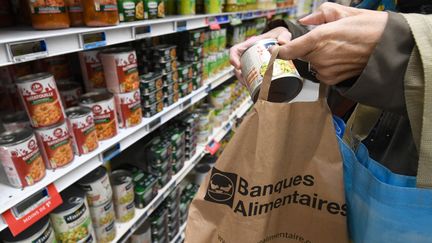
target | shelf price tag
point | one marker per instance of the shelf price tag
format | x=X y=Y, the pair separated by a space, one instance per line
x=32 y=209
x=142 y=32
x=27 y=51
x=212 y=147
x=186 y=103
x=110 y=153
x=154 y=124
x=93 y=40
x=181 y=26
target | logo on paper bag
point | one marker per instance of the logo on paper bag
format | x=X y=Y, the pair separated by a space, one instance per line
x=221 y=187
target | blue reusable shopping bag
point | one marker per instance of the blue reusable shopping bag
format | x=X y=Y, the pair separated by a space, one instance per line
x=383 y=206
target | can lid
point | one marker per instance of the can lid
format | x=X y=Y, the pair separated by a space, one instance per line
x=6 y=235
x=20 y=116
x=77 y=111
x=15 y=137
x=266 y=42
x=92 y=97
x=32 y=77
x=93 y=176
x=117 y=50
x=72 y=197
x=120 y=177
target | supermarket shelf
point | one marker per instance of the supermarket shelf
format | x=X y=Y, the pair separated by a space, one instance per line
x=64 y=177
x=180 y=235
x=58 y=42
x=125 y=230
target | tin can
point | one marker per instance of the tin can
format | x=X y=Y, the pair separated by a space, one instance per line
x=102 y=215
x=97 y=186
x=104 y=113
x=151 y=82
x=71 y=220
x=286 y=82
x=15 y=121
x=21 y=158
x=56 y=144
x=92 y=70
x=41 y=99
x=170 y=78
x=126 y=9
x=106 y=233
x=57 y=66
x=121 y=69
x=40 y=232
x=129 y=108
x=142 y=234
x=83 y=130
x=168 y=52
x=123 y=187
x=125 y=212
x=166 y=66
x=70 y=93
x=153 y=109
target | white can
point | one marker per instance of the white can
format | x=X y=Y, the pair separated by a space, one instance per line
x=102 y=215
x=97 y=186
x=82 y=127
x=92 y=70
x=106 y=233
x=129 y=108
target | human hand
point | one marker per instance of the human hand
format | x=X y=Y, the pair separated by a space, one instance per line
x=340 y=46
x=281 y=34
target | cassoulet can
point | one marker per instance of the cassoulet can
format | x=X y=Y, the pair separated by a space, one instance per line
x=41 y=99
x=92 y=70
x=286 y=82
x=70 y=93
x=121 y=69
x=56 y=145
x=21 y=158
x=104 y=113
x=82 y=127
x=97 y=186
x=129 y=108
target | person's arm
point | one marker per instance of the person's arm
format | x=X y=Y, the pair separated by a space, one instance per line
x=381 y=84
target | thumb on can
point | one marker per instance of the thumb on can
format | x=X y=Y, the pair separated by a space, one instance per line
x=299 y=47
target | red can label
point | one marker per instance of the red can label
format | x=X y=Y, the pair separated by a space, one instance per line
x=23 y=163
x=121 y=71
x=92 y=69
x=84 y=133
x=105 y=118
x=70 y=97
x=129 y=107
x=42 y=102
x=57 y=145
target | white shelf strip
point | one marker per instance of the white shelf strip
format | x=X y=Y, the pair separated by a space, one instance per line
x=125 y=230
x=180 y=235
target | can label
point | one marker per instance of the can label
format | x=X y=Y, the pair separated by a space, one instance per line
x=57 y=145
x=42 y=102
x=73 y=226
x=98 y=192
x=92 y=69
x=106 y=233
x=121 y=71
x=125 y=212
x=124 y=193
x=102 y=215
x=57 y=66
x=74 y=6
x=23 y=163
x=105 y=118
x=84 y=133
x=105 y=6
x=129 y=108
x=42 y=7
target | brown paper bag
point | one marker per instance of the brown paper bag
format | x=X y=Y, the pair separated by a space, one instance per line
x=278 y=180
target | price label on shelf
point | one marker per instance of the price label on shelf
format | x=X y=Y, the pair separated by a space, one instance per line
x=93 y=40
x=186 y=103
x=213 y=147
x=154 y=124
x=27 y=51
x=213 y=23
x=181 y=26
x=110 y=152
x=32 y=209
x=142 y=32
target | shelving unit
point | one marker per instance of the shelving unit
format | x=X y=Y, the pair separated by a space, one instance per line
x=125 y=230
x=180 y=235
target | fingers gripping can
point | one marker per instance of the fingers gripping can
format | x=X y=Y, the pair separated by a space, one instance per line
x=286 y=82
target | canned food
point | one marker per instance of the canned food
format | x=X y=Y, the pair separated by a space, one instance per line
x=170 y=78
x=106 y=233
x=151 y=82
x=125 y=212
x=21 y=158
x=97 y=186
x=57 y=66
x=102 y=215
x=196 y=37
x=121 y=69
x=142 y=234
x=71 y=220
x=56 y=144
x=165 y=52
x=70 y=93
x=152 y=98
x=286 y=82
x=193 y=54
x=15 y=121
x=169 y=89
x=171 y=99
x=185 y=72
x=104 y=113
x=82 y=127
x=196 y=68
x=92 y=70
x=153 y=109
x=40 y=232
x=122 y=186
x=129 y=108
x=41 y=99
x=145 y=191
x=126 y=9
x=166 y=66
x=186 y=88
x=196 y=82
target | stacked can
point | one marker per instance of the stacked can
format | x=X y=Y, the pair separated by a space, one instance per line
x=172 y=203
x=99 y=193
x=152 y=93
x=186 y=197
x=190 y=124
x=158 y=159
x=205 y=122
x=145 y=185
x=216 y=56
x=123 y=195
x=121 y=74
x=159 y=224
x=176 y=138
x=193 y=53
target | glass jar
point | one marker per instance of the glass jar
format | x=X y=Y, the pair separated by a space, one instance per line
x=75 y=12
x=100 y=12
x=47 y=15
